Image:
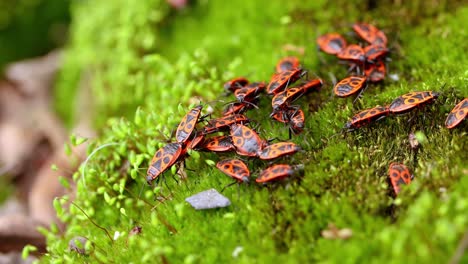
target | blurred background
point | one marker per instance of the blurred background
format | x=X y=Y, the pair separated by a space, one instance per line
x=31 y=32
x=31 y=28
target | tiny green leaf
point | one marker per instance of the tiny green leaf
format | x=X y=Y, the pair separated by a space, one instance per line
x=26 y=250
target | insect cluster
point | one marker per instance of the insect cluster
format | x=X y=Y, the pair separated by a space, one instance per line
x=367 y=65
x=370 y=60
x=231 y=133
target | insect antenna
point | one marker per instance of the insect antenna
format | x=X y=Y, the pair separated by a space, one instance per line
x=228 y=185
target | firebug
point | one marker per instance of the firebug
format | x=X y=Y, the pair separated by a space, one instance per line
x=246 y=140
x=163 y=159
x=349 y=86
x=457 y=115
x=331 y=43
x=367 y=116
x=409 y=101
x=278 y=150
x=375 y=52
x=280 y=81
x=296 y=123
x=293 y=117
x=187 y=125
x=234 y=168
x=249 y=92
x=217 y=144
x=375 y=72
x=399 y=174
x=239 y=108
x=235 y=84
x=353 y=52
x=288 y=96
x=370 y=33
x=223 y=123
x=278 y=172
x=287 y=64
x=195 y=141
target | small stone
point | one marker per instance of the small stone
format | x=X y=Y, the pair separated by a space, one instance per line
x=208 y=200
x=78 y=244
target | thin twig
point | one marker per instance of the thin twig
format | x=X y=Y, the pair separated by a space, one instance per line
x=89 y=218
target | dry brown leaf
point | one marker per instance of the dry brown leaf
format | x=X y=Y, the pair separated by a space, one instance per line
x=32 y=139
x=34 y=77
x=17 y=230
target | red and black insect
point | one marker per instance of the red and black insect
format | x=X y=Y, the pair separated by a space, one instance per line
x=217 y=144
x=370 y=33
x=366 y=117
x=195 y=141
x=277 y=150
x=239 y=108
x=278 y=172
x=296 y=123
x=163 y=159
x=375 y=72
x=246 y=141
x=223 y=123
x=234 y=168
x=409 y=101
x=279 y=81
x=293 y=117
x=331 y=43
x=457 y=115
x=187 y=125
x=249 y=92
x=284 y=98
x=236 y=83
x=353 y=53
x=282 y=116
x=375 y=52
x=399 y=174
x=349 y=86
x=287 y=64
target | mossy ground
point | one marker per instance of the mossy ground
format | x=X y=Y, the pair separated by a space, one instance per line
x=163 y=61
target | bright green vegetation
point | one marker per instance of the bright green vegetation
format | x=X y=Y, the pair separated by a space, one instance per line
x=164 y=62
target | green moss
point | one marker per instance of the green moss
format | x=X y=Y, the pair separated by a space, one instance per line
x=159 y=62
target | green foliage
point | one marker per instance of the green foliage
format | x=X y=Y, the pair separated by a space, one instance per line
x=26 y=250
x=31 y=27
x=155 y=64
